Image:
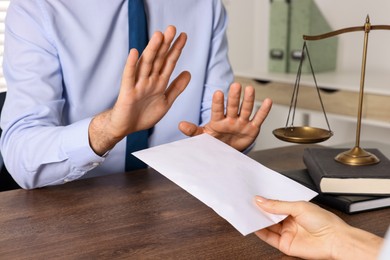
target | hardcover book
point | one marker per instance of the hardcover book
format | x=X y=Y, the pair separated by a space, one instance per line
x=345 y=203
x=331 y=176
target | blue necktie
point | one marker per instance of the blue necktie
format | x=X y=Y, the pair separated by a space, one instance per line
x=138 y=38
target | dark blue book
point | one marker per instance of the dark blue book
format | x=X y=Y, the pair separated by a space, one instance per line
x=331 y=176
x=345 y=203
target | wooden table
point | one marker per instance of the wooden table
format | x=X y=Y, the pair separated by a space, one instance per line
x=137 y=215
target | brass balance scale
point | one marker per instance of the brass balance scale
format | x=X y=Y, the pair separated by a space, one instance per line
x=305 y=134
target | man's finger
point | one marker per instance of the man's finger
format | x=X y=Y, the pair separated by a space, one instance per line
x=169 y=35
x=177 y=86
x=233 y=103
x=129 y=72
x=173 y=56
x=218 y=106
x=262 y=113
x=247 y=103
x=190 y=129
x=147 y=58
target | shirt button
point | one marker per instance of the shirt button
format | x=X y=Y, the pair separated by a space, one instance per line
x=66 y=180
x=95 y=164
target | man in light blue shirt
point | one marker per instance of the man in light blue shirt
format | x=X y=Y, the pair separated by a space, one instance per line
x=65 y=63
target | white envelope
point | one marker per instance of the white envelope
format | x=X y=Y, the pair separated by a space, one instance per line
x=224 y=179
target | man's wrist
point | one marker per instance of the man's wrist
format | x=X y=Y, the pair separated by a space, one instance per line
x=100 y=139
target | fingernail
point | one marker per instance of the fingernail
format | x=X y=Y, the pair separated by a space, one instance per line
x=260 y=199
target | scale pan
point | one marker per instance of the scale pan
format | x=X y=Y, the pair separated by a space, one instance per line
x=302 y=134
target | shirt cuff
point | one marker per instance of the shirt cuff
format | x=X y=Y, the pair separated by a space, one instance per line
x=76 y=145
x=249 y=148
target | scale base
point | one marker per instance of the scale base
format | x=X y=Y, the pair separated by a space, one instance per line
x=357 y=157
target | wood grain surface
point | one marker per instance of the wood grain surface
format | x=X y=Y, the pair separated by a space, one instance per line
x=137 y=215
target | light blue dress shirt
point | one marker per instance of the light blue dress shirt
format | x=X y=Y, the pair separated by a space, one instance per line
x=63 y=63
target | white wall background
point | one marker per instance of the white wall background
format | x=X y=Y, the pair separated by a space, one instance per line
x=248 y=32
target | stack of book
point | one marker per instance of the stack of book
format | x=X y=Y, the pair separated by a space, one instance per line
x=347 y=188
